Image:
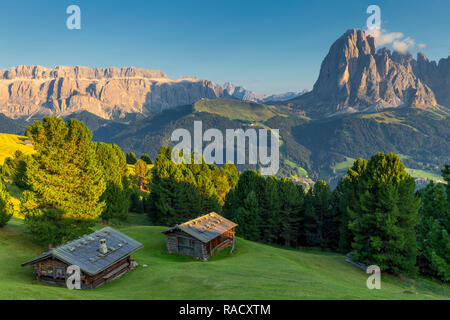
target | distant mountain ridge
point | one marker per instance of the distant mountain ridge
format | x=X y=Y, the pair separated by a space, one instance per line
x=110 y=93
x=241 y=93
x=355 y=77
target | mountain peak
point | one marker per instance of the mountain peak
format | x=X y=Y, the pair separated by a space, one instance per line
x=356 y=42
x=355 y=77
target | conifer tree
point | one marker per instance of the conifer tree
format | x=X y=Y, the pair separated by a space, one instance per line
x=291 y=211
x=230 y=171
x=249 y=180
x=222 y=186
x=141 y=174
x=343 y=201
x=248 y=219
x=136 y=202
x=317 y=214
x=433 y=238
x=16 y=167
x=270 y=211
x=146 y=158
x=446 y=176
x=112 y=162
x=6 y=207
x=65 y=180
x=386 y=215
x=131 y=158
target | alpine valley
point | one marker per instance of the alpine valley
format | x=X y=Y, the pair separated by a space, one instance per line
x=365 y=100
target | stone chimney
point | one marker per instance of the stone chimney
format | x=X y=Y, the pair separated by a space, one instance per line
x=103 y=247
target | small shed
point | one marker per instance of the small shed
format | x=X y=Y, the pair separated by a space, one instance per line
x=201 y=237
x=101 y=256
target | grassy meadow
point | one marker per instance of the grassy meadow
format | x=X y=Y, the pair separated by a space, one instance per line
x=252 y=271
x=9 y=143
x=235 y=109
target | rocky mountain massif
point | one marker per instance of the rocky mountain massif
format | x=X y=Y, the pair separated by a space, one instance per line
x=356 y=77
x=108 y=93
x=111 y=93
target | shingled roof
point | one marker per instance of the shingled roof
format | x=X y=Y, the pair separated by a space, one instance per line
x=205 y=228
x=84 y=252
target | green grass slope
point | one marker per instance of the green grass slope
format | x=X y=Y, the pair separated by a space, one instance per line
x=252 y=271
x=10 y=143
x=236 y=109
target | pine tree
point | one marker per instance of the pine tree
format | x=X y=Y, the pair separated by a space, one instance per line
x=249 y=181
x=230 y=171
x=146 y=158
x=270 y=207
x=65 y=179
x=344 y=198
x=6 y=207
x=433 y=238
x=248 y=218
x=136 y=202
x=131 y=158
x=175 y=196
x=291 y=212
x=112 y=162
x=386 y=215
x=222 y=186
x=141 y=174
x=317 y=212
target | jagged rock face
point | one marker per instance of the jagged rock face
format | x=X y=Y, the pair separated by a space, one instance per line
x=241 y=93
x=109 y=93
x=436 y=76
x=356 y=77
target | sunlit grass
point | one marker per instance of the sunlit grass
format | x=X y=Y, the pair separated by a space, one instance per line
x=252 y=271
x=10 y=143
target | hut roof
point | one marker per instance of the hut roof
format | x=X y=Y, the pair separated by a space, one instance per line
x=205 y=228
x=84 y=252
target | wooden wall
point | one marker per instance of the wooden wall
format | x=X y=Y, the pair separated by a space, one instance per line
x=53 y=271
x=179 y=242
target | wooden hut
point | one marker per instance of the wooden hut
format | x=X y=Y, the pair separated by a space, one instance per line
x=102 y=257
x=202 y=237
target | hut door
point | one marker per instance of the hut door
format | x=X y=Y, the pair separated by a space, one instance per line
x=185 y=246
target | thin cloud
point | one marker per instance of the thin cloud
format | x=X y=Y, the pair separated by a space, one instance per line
x=421 y=46
x=404 y=45
x=383 y=37
x=396 y=39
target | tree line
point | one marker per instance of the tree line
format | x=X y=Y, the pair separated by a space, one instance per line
x=374 y=214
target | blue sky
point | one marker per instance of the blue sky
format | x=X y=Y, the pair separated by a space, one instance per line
x=266 y=46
